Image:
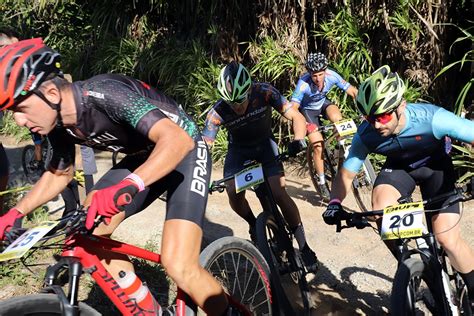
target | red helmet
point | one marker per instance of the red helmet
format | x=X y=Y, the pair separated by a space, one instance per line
x=23 y=67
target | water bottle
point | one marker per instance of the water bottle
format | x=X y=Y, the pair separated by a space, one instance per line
x=139 y=292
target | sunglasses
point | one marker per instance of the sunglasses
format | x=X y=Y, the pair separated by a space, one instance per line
x=383 y=118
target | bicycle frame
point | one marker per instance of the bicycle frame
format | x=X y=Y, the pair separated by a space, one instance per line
x=81 y=255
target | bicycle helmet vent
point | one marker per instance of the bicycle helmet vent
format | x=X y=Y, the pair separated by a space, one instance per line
x=382 y=92
x=234 y=83
x=24 y=66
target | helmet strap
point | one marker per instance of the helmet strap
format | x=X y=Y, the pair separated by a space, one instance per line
x=54 y=106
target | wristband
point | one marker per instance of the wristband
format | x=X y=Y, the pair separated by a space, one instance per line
x=138 y=181
x=334 y=201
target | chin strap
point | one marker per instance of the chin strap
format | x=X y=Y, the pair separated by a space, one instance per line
x=54 y=106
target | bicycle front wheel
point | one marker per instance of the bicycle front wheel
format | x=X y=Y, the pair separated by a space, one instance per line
x=412 y=292
x=39 y=304
x=288 y=276
x=363 y=185
x=242 y=272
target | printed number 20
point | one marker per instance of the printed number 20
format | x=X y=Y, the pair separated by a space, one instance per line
x=407 y=220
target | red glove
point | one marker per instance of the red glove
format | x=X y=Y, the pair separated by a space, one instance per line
x=110 y=201
x=7 y=221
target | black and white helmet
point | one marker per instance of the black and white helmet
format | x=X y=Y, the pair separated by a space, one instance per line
x=316 y=62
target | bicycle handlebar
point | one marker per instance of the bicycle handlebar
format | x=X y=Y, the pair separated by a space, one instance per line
x=459 y=194
x=219 y=185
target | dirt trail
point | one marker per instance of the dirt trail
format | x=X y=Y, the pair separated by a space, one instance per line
x=357 y=269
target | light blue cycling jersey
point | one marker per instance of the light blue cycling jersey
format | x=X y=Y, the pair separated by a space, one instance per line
x=308 y=96
x=422 y=137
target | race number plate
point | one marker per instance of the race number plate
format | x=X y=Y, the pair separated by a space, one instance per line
x=27 y=240
x=346 y=127
x=248 y=177
x=402 y=221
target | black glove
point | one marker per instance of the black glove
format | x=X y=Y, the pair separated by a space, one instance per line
x=334 y=214
x=296 y=146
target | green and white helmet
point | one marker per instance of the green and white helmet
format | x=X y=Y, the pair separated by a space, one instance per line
x=234 y=82
x=382 y=92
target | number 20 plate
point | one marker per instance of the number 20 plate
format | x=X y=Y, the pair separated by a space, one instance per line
x=27 y=240
x=248 y=177
x=402 y=221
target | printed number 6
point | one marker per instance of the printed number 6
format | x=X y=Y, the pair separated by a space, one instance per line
x=248 y=177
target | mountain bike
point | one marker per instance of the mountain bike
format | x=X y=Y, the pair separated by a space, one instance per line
x=424 y=282
x=336 y=149
x=275 y=240
x=29 y=162
x=235 y=262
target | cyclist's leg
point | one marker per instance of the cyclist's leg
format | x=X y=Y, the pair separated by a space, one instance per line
x=182 y=234
x=439 y=177
x=332 y=111
x=316 y=139
x=390 y=185
x=181 y=245
x=234 y=162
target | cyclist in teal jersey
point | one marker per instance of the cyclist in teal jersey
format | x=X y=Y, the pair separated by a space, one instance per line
x=412 y=137
x=310 y=96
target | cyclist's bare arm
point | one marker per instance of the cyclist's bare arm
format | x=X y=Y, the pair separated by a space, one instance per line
x=172 y=144
x=298 y=120
x=51 y=183
x=342 y=184
x=352 y=91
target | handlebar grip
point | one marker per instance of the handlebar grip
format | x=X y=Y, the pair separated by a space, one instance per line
x=124 y=199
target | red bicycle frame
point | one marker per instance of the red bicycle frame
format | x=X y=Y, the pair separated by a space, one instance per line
x=84 y=249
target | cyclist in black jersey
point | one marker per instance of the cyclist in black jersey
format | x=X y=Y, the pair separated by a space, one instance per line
x=165 y=153
x=245 y=110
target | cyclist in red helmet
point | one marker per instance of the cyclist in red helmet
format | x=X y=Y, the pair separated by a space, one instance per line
x=165 y=153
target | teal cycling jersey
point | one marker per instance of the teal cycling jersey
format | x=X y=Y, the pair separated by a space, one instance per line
x=307 y=94
x=422 y=137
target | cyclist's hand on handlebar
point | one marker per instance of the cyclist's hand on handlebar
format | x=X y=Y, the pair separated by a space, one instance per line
x=11 y=219
x=111 y=200
x=334 y=213
x=296 y=146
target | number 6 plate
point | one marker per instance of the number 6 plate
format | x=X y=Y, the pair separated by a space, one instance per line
x=27 y=240
x=248 y=177
x=402 y=221
x=346 y=127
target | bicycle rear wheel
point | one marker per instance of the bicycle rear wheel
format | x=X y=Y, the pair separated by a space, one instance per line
x=288 y=276
x=412 y=291
x=39 y=304
x=242 y=271
x=363 y=185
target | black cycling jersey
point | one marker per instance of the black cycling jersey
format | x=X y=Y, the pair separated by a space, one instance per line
x=252 y=127
x=115 y=113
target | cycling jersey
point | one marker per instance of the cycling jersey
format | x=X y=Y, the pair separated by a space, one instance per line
x=422 y=137
x=252 y=127
x=115 y=113
x=307 y=94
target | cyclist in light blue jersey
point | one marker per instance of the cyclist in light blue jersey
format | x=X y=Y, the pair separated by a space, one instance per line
x=310 y=96
x=412 y=137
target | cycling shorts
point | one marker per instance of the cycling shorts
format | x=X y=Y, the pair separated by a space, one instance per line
x=313 y=117
x=186 y=187
x=4 y=163
x=265 y=152
x=435 y=177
